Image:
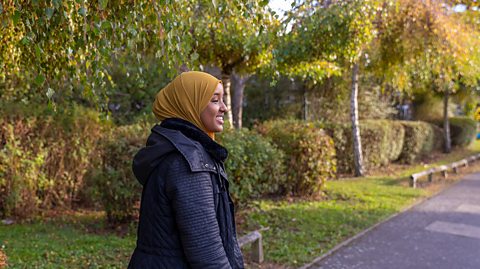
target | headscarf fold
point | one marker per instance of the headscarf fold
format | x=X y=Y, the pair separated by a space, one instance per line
x=186 y=97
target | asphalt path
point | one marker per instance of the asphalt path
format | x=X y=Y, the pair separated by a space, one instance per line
x=440 y=233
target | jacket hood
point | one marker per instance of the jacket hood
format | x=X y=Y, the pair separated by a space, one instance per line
x=147 y=159
x=176 y=135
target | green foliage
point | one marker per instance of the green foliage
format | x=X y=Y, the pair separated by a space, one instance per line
x=325 y=39
x=113 y=181
x=278 y=101
x=429 y=107
x=421 y=138
x=233 y=35
x=254 y=166
x=134 y=86
x=309 y=151
x=424 y=47
x=330 y=101
x=44 y=157
x=462 y=130
x=470 y=106
x=63 y=49
x=394 y=140
x=374 y=105
x=382 y=143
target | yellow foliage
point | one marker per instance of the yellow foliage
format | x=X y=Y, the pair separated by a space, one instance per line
x=476 y=116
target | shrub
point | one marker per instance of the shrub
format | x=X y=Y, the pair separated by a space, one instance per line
x=382 y=142
x=309 y=151
x=421 y=138
x=113 y=181
x=429 y=108
x=394 y=140
x=254 y=165
x=44 y=156
x=462 y=131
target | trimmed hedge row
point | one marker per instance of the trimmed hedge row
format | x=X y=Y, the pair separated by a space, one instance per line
x=52 y=159
x=421 y=138
x=254 y=166
x=462 y=130
x=382 y=143
x=310 y=154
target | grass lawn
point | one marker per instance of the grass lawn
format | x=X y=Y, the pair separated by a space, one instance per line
x=76 y=240
x=295 y=231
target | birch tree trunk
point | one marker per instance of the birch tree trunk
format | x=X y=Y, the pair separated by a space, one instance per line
x=227 y=99
x=305 y=104
x=446 y=123
x=238 y=83
x=357 y=143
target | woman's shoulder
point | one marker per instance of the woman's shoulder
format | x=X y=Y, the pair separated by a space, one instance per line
x=190 y=150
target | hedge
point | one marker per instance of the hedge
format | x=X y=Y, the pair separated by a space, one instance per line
x=254 y=166
x=112 y=182
x=310 y=154
x=382 y=142
x=462 y=131
x=44 y=156
x=54 y=159
x=421 y=138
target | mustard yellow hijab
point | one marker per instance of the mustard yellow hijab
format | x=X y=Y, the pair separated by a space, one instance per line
x=186 y=97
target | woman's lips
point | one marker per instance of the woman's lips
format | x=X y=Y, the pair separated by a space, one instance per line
x=220 y=119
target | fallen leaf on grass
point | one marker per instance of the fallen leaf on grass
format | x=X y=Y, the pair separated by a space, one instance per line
x=3 y=260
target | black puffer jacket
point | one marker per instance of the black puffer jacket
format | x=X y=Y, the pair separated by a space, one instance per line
x=186 y=214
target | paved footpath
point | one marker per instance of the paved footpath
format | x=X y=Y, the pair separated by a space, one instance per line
x=440 y=233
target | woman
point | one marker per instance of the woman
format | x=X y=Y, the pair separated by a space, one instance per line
x=186 y=213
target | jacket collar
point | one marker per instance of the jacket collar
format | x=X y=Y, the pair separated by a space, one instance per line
x=191 y=131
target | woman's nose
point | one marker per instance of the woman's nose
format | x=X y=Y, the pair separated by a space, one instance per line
x=223 y=107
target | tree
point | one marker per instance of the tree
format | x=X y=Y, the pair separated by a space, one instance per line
x=330 y=34
x=425 y=47
x=62 y=49
x=238 y=85
x=236 y=36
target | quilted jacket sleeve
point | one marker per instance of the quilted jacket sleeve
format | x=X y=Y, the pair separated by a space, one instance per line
x=191 y=195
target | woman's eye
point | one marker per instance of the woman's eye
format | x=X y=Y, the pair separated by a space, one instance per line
x=215 y=101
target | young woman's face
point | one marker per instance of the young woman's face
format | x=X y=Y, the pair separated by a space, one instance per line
x=212 y=115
